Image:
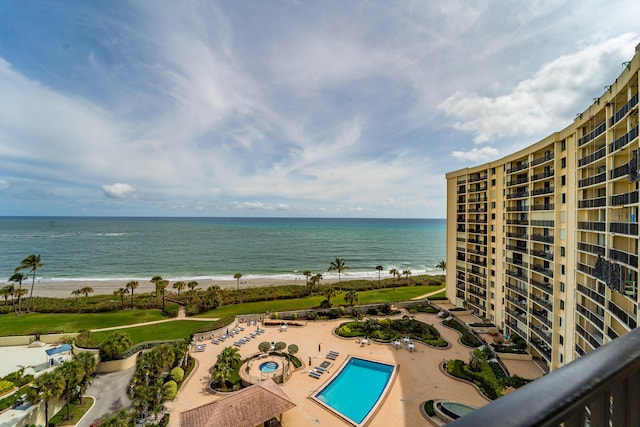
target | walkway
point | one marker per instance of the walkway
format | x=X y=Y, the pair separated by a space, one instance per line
x=181 y=316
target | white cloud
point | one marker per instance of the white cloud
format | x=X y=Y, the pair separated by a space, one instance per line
x=476 y=155
x=4 y=184
x=547 y=100
x=118 y=190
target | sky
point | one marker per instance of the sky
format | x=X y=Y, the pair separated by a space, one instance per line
x=285 y=108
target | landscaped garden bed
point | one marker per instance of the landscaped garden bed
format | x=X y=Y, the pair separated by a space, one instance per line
x=387 y=330
x=468 y=338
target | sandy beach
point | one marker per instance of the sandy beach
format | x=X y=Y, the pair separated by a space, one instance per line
x=63 y=289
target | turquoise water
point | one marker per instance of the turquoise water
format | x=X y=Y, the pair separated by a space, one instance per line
x=83 y=248
x=268 y=367
x=357 y=388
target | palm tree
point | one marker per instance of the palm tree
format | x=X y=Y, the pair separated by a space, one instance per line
x=5 y=292
x=115 y=344
x=406 y=273
x=131 y=286
x=237 y=276
x=192 y=285
x=307 y=274
x=32 y=263
x=213 y=297
x=394 y=272
x=478 y=358
x=86 y=291
x=18 y=277
x=121 y=293
x=76 y=293
x=379 y=268
x=155 y=280
x=230 y=356
x=89 y=364
x=45 y=388
x=162 y=286
x=351 y=297
x=442 y=265
x=179 y=285
x=329 y=292
x=340 y=265
x=72 y=374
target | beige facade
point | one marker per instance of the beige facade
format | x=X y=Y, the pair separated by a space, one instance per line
x=544 y=242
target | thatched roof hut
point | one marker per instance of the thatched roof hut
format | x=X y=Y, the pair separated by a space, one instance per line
x=252 y=406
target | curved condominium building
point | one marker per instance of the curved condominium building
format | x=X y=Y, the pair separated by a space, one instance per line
x=544 y=242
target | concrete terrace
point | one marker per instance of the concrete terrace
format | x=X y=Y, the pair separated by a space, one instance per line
x=419 y=376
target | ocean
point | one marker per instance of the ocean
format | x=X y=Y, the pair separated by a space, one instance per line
x=111 y=248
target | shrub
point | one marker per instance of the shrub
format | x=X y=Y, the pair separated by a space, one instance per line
x=171 y=310
x=6 y=386
x=325 y=304
x=264 y=346
x=114 y=345
x=293 y=349
x=428 y=408
x=334 y=313
x=170 y=390
x=177 y=374
x=279 y=346
x=274 y=315
x=372 y=311
x=312 y=315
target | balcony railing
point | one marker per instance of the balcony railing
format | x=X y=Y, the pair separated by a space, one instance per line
x=598 y=389
x=592 y=157
x=623 y=110
x=593 y=134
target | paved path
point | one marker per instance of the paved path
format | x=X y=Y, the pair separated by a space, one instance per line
x=110 y=392
x=181 y=316
x=427 y=295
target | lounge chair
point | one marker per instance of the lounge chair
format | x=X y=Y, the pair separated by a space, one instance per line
x=314 y=374
x=320 y=369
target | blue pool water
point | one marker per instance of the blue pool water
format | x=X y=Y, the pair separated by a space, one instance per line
x=268 y=367
x=369 y=379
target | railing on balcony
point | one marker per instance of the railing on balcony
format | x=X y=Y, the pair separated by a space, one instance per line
x=596 y=179
x=624 y=198
x=592 y=225
x=518 y=168
x=624 y=139
x=593 y=134
x=593 y=203
x=623 y=110
x=542 y=175
x=592 y=157
x=598 y=389
x=630 y=228
x=539 y=160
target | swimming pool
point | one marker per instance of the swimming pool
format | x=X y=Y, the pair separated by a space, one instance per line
x=356 y=389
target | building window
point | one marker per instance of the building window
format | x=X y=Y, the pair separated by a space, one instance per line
x=493 y=182
x=493 y=251
x=493 y=261
x=493 y=273
x=493 y=238
x=563 y=162
x=493 y=205
x=563 y=198
x=560 y=321
x=561 y=304
x=561 y=339
x=493 y=171
x=560 y=358
x=563 y=144
x=562 y=269
x=562 y=251
x=561 y=287
x=493 y=216
x=563 y=180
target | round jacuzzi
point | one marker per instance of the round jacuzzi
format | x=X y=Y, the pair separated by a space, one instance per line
x=268 y=367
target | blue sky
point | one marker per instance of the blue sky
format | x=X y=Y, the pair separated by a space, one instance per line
x=285 y=108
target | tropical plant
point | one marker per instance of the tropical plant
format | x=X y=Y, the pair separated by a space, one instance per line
x=32 y=263
x=6 y=292
x=442 y=265
x=115 y=344
x=307 y=274
x=237 y=276
x=407 y=273
x=86 y=291
x=351 y=297
x=280 y=345
x=394 y=272
x=212 y=297
x=177 y=374
x=155 y=280
x=89 y=364
x=192 y=285
x=292 y=349
x=76 y=292
x=478 y=358
x=161 y=287
x=45 y=388
x=379 y=268
x=339 y=264
x=329 y=292
x=72 y=374
x=131 y=286
x=121 y=293
x=179 y=285
x=228 y=361
x=18 y=277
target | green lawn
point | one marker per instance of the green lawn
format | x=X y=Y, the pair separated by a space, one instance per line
x=27 y=324
x=364 y=297
x=175 y=330
x=76 y=412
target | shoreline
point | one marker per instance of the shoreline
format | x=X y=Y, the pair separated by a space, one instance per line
x=63 y=289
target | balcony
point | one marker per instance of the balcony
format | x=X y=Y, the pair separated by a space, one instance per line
x=543 y=190
x=540 y=160
x=593 y=134
x=623 y=110
x=593 y=203
x=624 y=257
x=542 y=254
x=597 y=179
x=592 y=225
x=518 y=195
x=518 y=181
x=518 y=168
x=625 y=198
x=628 y=228
x=542 y=175
x=542 y=238
x=624 y=139
x=543 y=207
x=592 y=157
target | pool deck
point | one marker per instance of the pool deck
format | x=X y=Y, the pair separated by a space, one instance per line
x=419 y=377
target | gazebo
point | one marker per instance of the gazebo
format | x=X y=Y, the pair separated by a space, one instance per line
x=259 y=404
